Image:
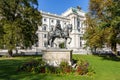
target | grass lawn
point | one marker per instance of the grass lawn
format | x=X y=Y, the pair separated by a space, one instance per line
x=105 y=67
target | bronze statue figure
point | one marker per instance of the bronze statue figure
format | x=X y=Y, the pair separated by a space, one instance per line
x=58 y=30
x=59 y=33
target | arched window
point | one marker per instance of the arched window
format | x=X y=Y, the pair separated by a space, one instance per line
x=44 y=19
x=78 y=24
x=44 y=35
x=44 y=28
x=81 y=38
x=51 y=28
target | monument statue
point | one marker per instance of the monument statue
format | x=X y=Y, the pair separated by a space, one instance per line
x=58 y=30
x=53 y=56
x=59 y=33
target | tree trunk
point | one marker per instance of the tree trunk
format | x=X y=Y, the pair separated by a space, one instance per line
x=114 y=48
x=16 y=51
x=10 y=53
x=93 y=50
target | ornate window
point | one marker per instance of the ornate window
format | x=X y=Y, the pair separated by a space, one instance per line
x=44 y=35
x=58 y=21
x=78 y=24
x=51 y=28
x=81 y=38
x=80 y=44
x=44 y=28
x=45 y=19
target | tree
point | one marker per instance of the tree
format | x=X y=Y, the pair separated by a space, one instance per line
x=93 y=34
x=104 y=20
x=1 y=36
x=19 y=21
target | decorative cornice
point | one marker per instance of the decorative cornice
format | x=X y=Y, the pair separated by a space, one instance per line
x=54 y=15
x=72 y=10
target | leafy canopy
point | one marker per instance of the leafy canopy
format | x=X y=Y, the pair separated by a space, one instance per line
x=19 y=20
x=103 y=24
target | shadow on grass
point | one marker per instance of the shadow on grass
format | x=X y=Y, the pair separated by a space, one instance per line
x=8 y=70
x=111 y=57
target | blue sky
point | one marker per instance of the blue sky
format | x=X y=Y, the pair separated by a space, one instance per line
x=59 y=6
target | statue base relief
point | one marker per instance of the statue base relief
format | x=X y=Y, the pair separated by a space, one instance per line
x=55 y=56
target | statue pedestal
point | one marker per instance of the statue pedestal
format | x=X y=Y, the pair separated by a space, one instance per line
x=55 y=56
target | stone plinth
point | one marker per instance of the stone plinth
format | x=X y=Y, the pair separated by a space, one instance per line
x=55 y=56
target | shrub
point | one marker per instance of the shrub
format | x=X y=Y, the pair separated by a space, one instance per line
x=82 y=67
x=50 y=69
x=58 y=70
x=33 y=66
x=90 y=71
x=65 y=67
x=64 y=64
x=38 y=66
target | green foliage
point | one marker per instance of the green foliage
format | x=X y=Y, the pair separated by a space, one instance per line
x=103 y=21
x=52 y=70
x=62 y=45
x=82 y=67
x=105 y=68
x=65 y=67
x=64 y=64
x=37 y=66
x=1 y=36
x=33 y=66
x=19 y=20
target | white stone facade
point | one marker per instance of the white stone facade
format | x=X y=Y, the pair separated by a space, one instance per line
x=73 y=16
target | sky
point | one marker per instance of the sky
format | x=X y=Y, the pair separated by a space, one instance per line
x=60 y=6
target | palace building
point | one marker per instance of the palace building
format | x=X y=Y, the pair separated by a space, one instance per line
x=73 y=16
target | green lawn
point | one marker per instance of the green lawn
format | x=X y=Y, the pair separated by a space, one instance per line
x=106 y=68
